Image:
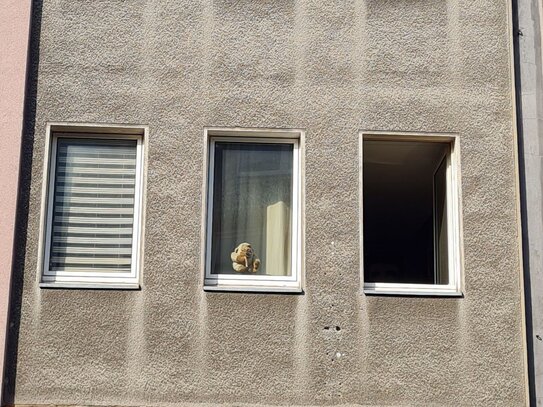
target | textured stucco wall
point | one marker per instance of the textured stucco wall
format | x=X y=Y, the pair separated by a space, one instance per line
x=531 y=81
x=14 y=32
x=331 y=68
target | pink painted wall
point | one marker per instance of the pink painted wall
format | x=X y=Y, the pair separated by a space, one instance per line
x=14 y=38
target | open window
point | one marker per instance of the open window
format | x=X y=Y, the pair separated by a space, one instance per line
x=253 y=211
x=410 y=220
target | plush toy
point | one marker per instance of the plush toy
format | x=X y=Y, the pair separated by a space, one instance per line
x=244 y=259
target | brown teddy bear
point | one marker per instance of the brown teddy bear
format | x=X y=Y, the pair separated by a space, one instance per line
x=244 y=259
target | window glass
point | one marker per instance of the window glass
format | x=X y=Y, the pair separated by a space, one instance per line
x=93 y=208
x=252 y=209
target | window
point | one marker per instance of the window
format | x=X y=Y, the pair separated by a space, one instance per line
x=253 y=210
x=410 y=215
x=93 y=207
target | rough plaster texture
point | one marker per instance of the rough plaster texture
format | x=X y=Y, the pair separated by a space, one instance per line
x=531 y=81
x=331 y=68
x=14 y=32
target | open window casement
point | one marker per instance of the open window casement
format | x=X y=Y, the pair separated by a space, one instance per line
x=441 y=249
x=410 y=221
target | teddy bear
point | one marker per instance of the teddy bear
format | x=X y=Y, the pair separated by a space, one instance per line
x=244 y=259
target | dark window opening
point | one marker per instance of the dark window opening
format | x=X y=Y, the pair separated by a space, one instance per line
x=405 y=212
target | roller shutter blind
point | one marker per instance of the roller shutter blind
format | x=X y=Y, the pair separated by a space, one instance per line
x=93 y=206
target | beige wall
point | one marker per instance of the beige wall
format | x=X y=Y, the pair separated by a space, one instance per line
x=332 y=69
x=14 y=30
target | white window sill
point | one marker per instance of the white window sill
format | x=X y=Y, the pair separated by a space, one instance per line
x=412 y=290
x=254 y=289
x=91 y=286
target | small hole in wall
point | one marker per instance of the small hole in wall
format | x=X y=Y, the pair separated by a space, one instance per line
x=337 y=328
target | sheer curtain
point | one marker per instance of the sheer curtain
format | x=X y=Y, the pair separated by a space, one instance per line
x=251 y=204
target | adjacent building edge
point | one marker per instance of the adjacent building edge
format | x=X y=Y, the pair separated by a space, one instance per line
x=528 y=69
x=14 y=42
x=525 y=26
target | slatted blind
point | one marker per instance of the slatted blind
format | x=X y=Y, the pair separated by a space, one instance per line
x=93 y=208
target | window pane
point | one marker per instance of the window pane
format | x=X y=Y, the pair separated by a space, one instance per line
x=404 y=212
x=252 y=201
x=93 y=210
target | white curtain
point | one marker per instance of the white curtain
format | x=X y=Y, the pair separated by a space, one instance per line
x=278 y=239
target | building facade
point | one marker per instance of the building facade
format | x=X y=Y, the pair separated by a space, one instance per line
x=276 y=202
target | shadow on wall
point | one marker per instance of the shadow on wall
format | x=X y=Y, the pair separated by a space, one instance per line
x=21 y=222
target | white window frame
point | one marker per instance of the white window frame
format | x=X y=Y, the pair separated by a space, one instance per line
x=258 y=283
x=90 y=131
x=454 y=227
